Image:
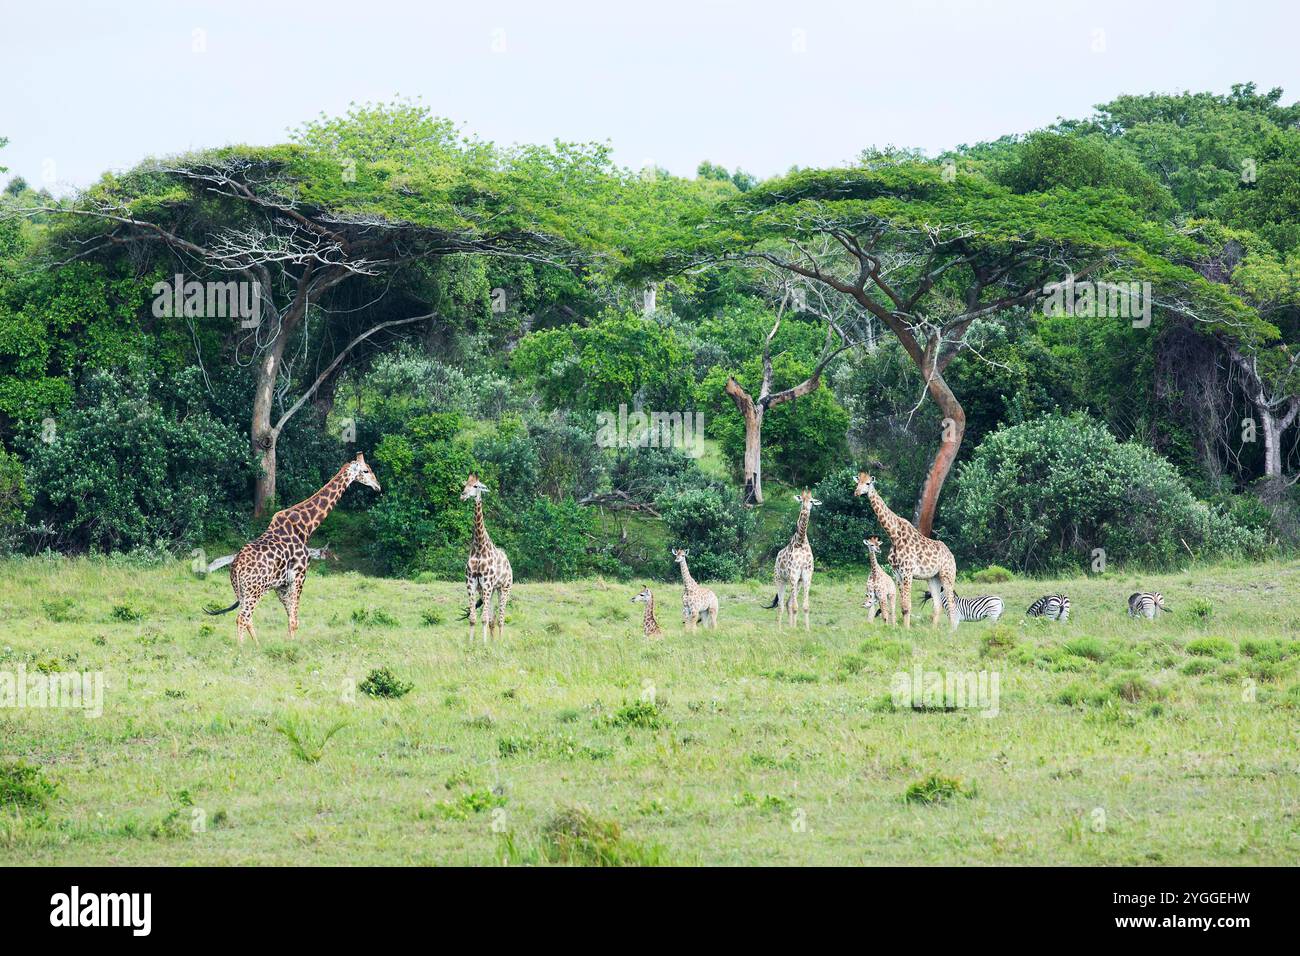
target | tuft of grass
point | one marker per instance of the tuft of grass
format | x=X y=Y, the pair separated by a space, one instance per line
x=1198 y=665
x=640 y=713
x=305 y=742
x=1088 y=647
x=24 y=786
x=792 y=677
x=997 y=640
x=60 y=610
x=382 y=683
x=431 y=616
x=577 y=837
x=1218 y=647
x=126 y=613
x=468 y=804
x=936 y=789
x=1133 y=688
x=1200 y=610
x=376 y=617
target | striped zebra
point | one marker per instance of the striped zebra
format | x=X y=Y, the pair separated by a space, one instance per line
x=1146 y=604
x=985 y=607
x=1054 y=607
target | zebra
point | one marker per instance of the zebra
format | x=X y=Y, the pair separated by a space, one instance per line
x=1146 y=604
x=985 y=607
x=1054 y=607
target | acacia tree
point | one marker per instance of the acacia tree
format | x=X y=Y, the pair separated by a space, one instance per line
x=929 y=253
x=356 y=199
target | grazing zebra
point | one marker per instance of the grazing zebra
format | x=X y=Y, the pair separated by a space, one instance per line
x=985 y=607
x=1054 y=607
x=1146 y=604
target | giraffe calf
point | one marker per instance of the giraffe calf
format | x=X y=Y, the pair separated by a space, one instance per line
x=698 y=603
x=649 y=626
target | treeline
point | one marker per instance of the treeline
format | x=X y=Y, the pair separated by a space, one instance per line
x=447 y=306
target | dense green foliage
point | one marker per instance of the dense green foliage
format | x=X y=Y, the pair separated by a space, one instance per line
x=124 y=429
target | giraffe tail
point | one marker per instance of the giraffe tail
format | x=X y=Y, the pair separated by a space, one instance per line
x=213 y=609
x=464 y=615
x=775 y=598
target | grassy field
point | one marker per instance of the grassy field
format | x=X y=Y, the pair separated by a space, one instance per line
x=1114 y=742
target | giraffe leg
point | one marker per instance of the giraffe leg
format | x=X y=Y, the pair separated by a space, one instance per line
x=905 y=599
x=936 y=606
x=245 y=620
x=472 y=593
x=807 y=608
x=486 y=591
x=892 y=617
x=949 y=584
x=503 y=598
x=780 y=602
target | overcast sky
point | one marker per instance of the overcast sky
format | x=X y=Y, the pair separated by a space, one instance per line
x=765 y=85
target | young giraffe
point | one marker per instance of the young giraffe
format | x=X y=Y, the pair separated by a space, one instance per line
x=794 y=567
x=914 y=556
x=277 y=559
x=648 y=623
x=697 y=602
x=487 y=571
x=882 y=594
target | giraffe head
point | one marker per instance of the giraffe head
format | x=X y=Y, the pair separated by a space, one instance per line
x=473 y=488
x=806 y=501
x=864 y=484
x=645 y=597
x=358 y=470
x=679 y=555
x=873 y=544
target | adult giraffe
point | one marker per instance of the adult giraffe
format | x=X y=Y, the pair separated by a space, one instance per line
x=278 y=557
x=487 y=571
x=913 y=556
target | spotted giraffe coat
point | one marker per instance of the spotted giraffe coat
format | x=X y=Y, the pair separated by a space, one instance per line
x=487 y=570
x=914 y=556
x=698 y=603
x=277 y=559
x=794 y=567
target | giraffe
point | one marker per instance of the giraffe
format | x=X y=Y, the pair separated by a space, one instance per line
x=697 y=602
x=487 y=571
x=277 y=559
x=648 y=623
x=794 y=567
x=914 y=556
x=882 y=594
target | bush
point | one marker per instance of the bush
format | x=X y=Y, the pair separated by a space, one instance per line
x=382 y=683
x=1041 y=495
x=839 y=525
x=24 y=786
x=137 y=466
x=15 y=499
x=993 y=574
x=714 y=526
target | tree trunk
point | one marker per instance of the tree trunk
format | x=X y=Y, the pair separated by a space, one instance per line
x=263 y=433
x=753 y=415
x=954 y=428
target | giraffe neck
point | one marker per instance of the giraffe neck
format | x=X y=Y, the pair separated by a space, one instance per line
x=892 y=523
x=318 y=506
x=686 y=576
x=800 y=536
x=874 y=565
x=482 y=543
x=649 y=622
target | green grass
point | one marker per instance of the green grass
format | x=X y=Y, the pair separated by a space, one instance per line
x=575 y=741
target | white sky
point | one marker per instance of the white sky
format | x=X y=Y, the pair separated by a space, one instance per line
x=765 y=85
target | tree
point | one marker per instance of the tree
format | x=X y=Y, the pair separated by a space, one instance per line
x=928 y=252
x=753 y=409
x=362 y=199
